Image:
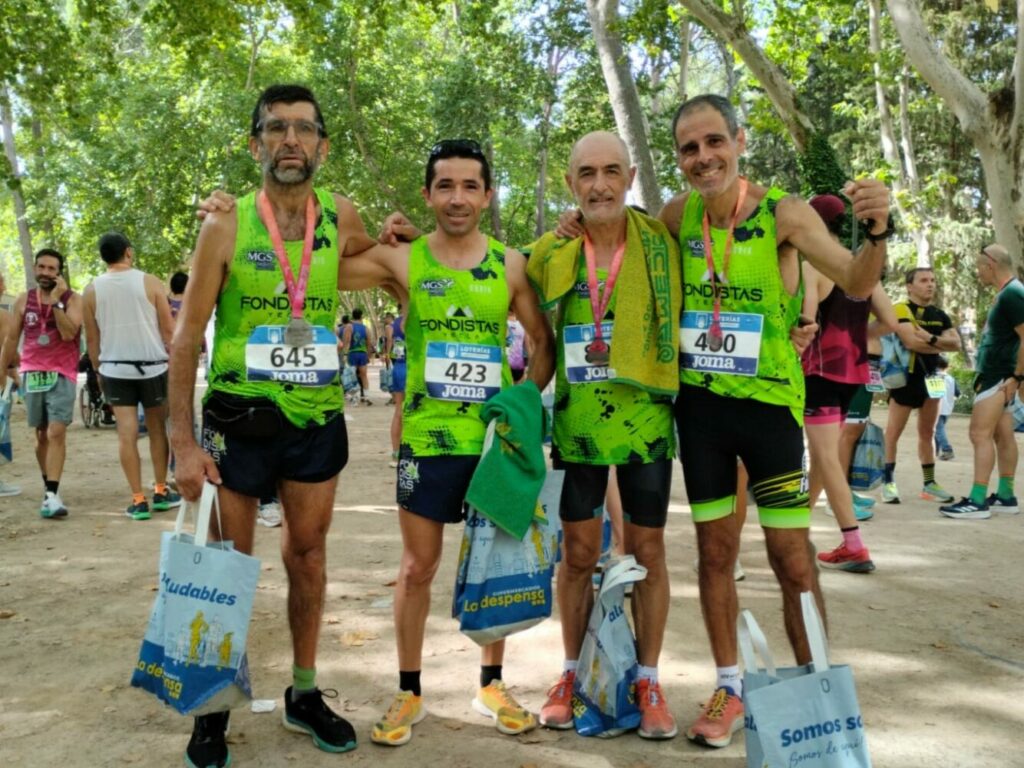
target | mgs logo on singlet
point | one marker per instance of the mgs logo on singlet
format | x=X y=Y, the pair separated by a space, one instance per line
x=437 y=288
x=696 y=248
x=262 y=260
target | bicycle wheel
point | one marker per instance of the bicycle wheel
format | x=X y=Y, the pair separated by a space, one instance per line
x=85 y=407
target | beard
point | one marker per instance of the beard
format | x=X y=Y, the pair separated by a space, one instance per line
x=291 y=175
x=46 y=282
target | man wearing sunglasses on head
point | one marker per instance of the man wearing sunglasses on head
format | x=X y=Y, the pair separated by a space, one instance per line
x=272 y=418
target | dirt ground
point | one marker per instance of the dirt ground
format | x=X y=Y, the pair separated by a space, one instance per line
x=935 y=636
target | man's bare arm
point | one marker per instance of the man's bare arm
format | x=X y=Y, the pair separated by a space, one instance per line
x=68 y=321
x=165 y=320
x=800 y=225
x=92 y=328
x=209 y=267
x=9 y=342
x=541 y=366
x=671 y=215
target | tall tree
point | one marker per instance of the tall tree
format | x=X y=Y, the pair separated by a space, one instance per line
x=993 y=120
x=629 y=117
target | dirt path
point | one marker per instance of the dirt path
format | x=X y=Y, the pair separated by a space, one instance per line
x=935 y=636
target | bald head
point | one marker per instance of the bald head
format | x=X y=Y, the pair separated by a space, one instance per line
x=603 y=143
x=999 y=255
x=600 y=176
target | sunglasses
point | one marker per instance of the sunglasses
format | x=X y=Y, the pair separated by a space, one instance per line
x=450 y=146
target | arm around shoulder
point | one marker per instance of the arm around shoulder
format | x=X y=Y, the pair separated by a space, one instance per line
x=535 y=323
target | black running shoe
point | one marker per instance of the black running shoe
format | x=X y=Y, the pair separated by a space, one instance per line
x=310 y=714
x=207 y=747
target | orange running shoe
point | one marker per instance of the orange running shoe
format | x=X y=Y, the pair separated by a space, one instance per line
x=557 y=710
x=656 y=722
x=721 y=718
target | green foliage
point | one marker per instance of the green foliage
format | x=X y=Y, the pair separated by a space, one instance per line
x=819 y=167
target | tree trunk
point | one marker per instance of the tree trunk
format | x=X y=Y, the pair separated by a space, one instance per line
x=495 y=206
x=554 y=62
x=922 y=233
x=24 y=234
x=887 y=134
x=629 y=118
x=777 y=87
x=684 y=56
x=994 y=123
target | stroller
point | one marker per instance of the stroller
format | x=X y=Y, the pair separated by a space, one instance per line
x=94 y=409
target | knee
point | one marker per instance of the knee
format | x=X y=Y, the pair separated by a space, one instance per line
x=794 y=570
x=718 y=553
x=416 y=570
x=649 y=551
x=581 y=553
x=305 y=555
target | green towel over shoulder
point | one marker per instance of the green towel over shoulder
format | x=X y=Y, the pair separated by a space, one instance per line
x=511 y=472
x=648 y=299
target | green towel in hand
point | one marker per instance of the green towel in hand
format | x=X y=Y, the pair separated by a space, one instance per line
x=511 y=472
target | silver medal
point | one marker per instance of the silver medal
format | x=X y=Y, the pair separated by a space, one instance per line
x=43 y=339
x=298 y=333
x=715 y=338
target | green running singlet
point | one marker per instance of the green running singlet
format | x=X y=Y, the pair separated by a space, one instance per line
x=455 y=350
x=754 y=288
x=255 y=296
x=596 y=421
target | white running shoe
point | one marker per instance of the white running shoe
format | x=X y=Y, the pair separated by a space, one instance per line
x=269 y=515
x=6 y=489
x=52 y=506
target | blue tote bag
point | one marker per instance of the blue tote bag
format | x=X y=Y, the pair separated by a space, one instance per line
x=502 y=584
x=193 y=654
x=604 y=693
x=867 y=468
x=805 y=715
x=6 y=452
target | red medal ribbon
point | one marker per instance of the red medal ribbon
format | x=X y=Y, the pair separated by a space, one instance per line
x=296 y=290
x=599 y=301
x=716 y=326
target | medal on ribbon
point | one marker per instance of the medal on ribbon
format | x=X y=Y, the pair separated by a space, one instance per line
x=715 y=336
x=598 y=352
x=298 y=332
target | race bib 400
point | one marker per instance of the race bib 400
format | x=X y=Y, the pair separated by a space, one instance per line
x=268 y=358
x=741 y=343
x=466 y=372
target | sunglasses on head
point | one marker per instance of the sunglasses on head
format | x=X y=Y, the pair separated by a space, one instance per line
x=446 y=146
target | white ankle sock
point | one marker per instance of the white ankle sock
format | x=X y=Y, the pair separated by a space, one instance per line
x=729 y=677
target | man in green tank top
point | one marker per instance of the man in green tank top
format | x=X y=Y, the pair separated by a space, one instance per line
x=461 y=284
x=272 y=419
x=741 y=393
x=604 y=417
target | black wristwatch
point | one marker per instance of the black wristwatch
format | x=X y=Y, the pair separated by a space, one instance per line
x=890 y=230
x=933 y=340
x=60 y=305
x=1019 y=377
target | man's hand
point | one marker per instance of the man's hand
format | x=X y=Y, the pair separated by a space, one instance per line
x=59 y=286
x=870 y=199
x=398 y=229
x=570 y=224
x=192 y=467
x=218 y=202
x=1010 y=388
x=802 y=334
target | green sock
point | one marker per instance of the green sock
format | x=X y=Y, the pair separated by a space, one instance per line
x=928 y=470
x=1005 y=490
x=979 y=491
x=303 y=679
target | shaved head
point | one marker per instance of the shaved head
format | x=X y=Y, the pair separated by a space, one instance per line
x=602 y=141
x=999 y=255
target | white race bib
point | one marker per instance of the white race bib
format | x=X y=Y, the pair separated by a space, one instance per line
x=875 y=379
x=463 y=372
x=268 y=358
x=741 y=343
x=398 y=349
x=936 y=386
x=575 y=340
